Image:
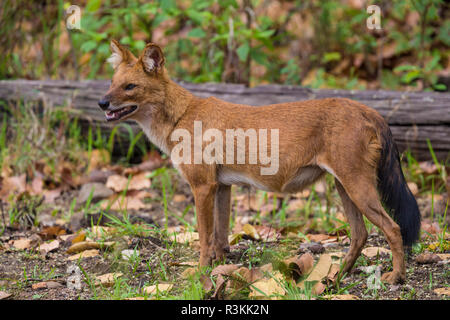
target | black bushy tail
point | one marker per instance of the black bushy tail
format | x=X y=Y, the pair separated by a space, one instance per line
x=395 y=193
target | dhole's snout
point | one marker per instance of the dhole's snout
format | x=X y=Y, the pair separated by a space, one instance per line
x=114 y=112
x=103 y=104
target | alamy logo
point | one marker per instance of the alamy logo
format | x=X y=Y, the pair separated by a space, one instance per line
x=374 y=278
x=74 y=278
x=223 y=150
x=374 y=21
x=73 y=20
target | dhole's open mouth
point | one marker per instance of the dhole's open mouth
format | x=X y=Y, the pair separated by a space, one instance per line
x=118 y=114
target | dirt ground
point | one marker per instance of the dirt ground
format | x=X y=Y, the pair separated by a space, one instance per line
x=29 y=274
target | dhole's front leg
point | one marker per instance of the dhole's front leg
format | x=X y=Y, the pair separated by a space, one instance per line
x=204 y=196
x=222 y=221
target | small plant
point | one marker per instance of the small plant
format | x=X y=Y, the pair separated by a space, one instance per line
x=194 y=290
x=408 y=295
x=293 y=292
x=24 y=211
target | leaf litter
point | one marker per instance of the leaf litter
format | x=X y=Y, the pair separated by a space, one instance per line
x=132 y=189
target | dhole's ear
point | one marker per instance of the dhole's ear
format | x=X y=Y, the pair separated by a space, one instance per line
x=152 y=58
x=119 y=54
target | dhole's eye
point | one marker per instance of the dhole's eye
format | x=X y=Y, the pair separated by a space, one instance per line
x=130 y=86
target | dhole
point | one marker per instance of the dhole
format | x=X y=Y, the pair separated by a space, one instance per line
x=342 y=137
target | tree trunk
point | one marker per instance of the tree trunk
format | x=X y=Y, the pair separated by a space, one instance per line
x=413 y=117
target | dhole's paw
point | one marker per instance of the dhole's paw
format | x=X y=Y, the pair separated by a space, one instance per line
x=207 y=258
x=393 y=277
x=220 y=252
x=205 y=261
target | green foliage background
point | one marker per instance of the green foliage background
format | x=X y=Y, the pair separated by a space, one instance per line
x=313 y=43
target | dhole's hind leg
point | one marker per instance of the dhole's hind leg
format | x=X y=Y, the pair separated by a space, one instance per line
x=362 y=191
x=357 y=229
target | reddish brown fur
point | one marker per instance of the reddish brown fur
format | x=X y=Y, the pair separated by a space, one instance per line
x=339 y=135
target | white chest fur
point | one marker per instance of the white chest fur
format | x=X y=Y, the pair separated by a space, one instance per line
x=230 y=177
x=152 y=134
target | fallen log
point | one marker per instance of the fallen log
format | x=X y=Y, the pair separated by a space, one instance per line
x=413 y=117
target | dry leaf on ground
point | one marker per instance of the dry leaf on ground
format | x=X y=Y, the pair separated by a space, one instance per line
x=66 y=238
x=51 y=195
x=303 y=194
x=83 y=246
x=185 y=263
x=298 y=266
x=219 y=271
x=101 y=231
x=4 y=295
x=246 y=203
x=334 y=271
x=107 y=279
x=22 y=244
x=296 y=204
x=266 y=268
x=94 y=191
x=371 y=252
x=320 y=271
x=84 y=254
x=118 y=203
x=48 y=246
x=140 y=181
x=428 y=167
x=98 y=158
x=119 y=183
x=317 y=237
x=342 y=297
x=267 y=233
x=442 y=291
x=426 y=258
x=51 y=232
x=37 y=186
x=431 y=228
x=267 y=288
x=208 y=285
x=116 y=182
x=80 y=237
x=189 y=272
x=250 y=231
x=177 y=198
x=224 y=269
x=158 y=288
x=39 y=286
x=337 y=254
x=443 y=256
x=46 y=285
x=11 y=185
x=240 y=277
x=318 y=288
x=184 y=237
x=176 y=229
x=267 y=209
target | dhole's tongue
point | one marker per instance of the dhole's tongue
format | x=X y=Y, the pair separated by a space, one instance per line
x=119 y=113
x=111 y=115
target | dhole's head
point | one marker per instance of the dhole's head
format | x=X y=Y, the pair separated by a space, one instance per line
x=138 y=84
